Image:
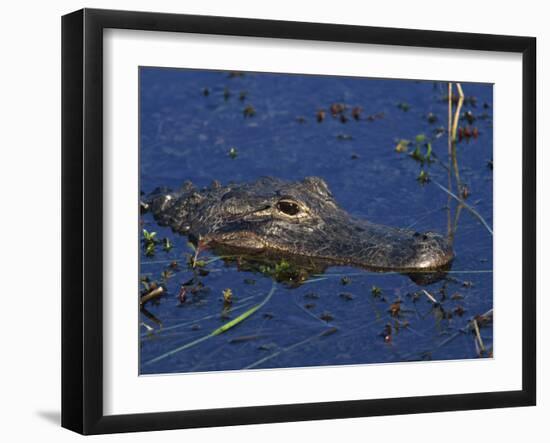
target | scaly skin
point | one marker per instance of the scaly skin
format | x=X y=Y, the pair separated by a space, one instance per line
x=297 y=219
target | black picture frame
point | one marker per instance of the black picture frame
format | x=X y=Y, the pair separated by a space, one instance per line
x=82 y=218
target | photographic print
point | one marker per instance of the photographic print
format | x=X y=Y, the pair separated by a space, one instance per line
x=291 y=220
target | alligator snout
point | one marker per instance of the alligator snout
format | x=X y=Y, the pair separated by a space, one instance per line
x=433 y=251
x=387 y=248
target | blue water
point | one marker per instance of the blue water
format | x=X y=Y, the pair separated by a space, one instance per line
x=186 y=134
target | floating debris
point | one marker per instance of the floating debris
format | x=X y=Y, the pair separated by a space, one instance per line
x=320 y=116
x=151 y=295
x=328 y=331
x=347 y=296
x=439 y=132
x=402 y=146
x=166 y=275
x=469 y=117
x=344 y=137
x=182 y=294
x=337 y=108
x=232 y=153
x=244 y=338
x=395 y=308
x=431 y=117
x=345 y=281
x=467 y=132
x=423 y=177
x=356 y=112
x=404 y=106
x=227 y=296
x=430 y=297
x=459 y=310
x=387 y=333
x=249 y=111
x=467 y=100
x=166 y=244
x=377 y=116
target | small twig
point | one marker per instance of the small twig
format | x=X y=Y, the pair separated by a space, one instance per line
x=454 y=129
x=155 y=293
x=430 y=296
x=457 y=111
x=478 y=336
x=314 y=280
x=450 y=106
x=449 y=131
x=146 y=326
x=449 y=149
x=197 y=251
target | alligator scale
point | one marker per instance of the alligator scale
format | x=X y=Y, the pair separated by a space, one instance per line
x=295 y=219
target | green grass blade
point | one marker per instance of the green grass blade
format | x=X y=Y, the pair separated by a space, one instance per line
x=235 y=321
x=244 y=315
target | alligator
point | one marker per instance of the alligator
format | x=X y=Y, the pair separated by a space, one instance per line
x=298 y=219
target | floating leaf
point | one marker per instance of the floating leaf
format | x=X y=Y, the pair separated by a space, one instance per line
x=232 y=153
x=423 y=177
x=249 y=111
x=166 y=244
x=402 y=145
x=227 y=295
x=404 y=106
x=376 y=291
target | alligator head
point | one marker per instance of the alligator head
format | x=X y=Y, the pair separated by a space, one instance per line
x=299 y=219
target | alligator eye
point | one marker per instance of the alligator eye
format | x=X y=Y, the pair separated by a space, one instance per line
x=288 y=207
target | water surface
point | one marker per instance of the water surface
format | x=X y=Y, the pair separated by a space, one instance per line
x=190 y=120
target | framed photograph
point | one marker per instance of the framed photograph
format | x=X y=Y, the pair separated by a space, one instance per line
x=269 y=221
